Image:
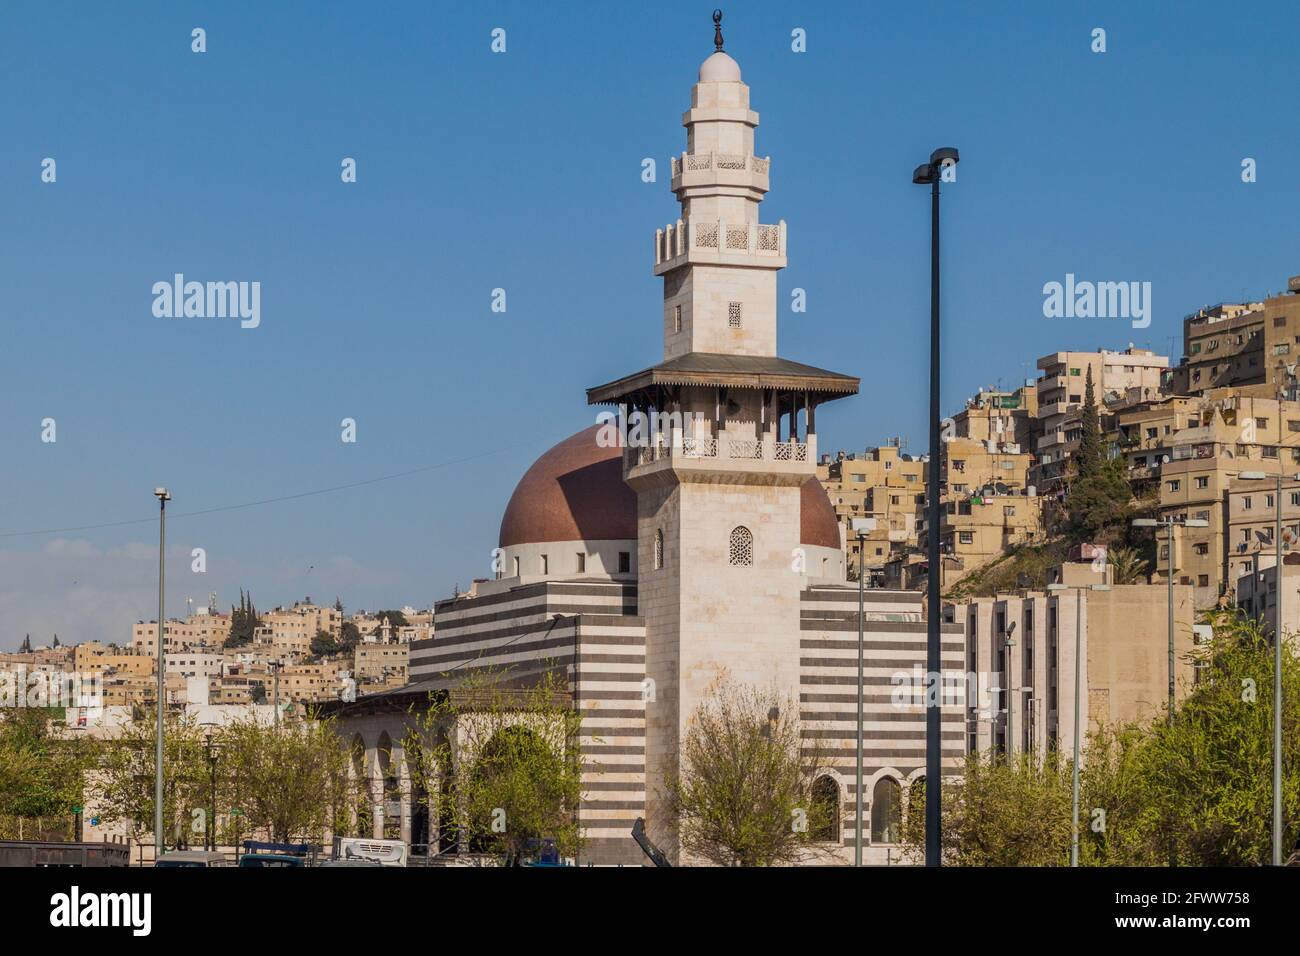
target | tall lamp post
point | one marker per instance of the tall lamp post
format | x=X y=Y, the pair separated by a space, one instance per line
x=1169 y=521
x=1277 y=663
x=163 y=497
x=930 y=174
x=861 y=526
x=1078 y=717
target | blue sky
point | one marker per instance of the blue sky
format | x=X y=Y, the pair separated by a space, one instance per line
x=522 y=170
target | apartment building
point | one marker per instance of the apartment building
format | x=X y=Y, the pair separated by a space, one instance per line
x=1252 y=523
x=1116 y=376
x=380 y=661
x=1241 y=345
x=199 y=631
x=1229 y=432
x=1005 y=417
x=884 y=483
x=1021 y=649
x=1256 y=591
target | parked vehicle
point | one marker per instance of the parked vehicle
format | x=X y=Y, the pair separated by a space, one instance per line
x=50 y=854
x=191 y=859
x=258 y=854
x=384 y=852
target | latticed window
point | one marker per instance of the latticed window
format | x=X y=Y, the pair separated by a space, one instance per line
x=677 y=317
x=659 y=549
x=742 y=547
x=734 y=314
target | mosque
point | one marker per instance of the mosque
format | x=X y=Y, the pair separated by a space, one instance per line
x=643 y=571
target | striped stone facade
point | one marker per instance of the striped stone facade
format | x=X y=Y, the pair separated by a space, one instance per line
x=590 y=631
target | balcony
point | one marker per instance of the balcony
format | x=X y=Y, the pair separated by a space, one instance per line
x=724 y=169
x=717 y=242
x=727 y=451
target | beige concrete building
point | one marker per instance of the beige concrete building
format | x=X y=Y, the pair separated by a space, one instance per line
x=885 y=484
x=1256 y=592
x=380 y=661
x=1004 y=417
x=1116 y=375
x=1123 y=639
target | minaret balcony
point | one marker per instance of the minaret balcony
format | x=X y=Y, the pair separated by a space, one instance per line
x=721 y=169
x=715 y=242
x=741 y=453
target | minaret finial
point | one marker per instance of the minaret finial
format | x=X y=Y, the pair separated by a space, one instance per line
x=717 y=31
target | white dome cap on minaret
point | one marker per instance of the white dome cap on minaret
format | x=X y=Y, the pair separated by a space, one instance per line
x=719 y=68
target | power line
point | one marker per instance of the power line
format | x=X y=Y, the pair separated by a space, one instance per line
x=262 y=501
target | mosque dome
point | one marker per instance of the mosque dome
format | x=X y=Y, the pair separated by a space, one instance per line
x=576 y=492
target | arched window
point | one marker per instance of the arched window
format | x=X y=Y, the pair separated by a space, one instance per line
x=886 y=811
x=742 y=547
x=659 y=549
x=826 y=810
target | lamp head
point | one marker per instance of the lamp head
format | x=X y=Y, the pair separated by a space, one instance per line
x=944 y=156
x=162 y=494
x=925 y=174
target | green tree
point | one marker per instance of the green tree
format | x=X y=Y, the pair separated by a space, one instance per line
x=1126 y=565
x=1000 y=813
x=41 y=773
x=244 y=622
x=743 y=794
x=349 y=636
x=519 y=765
x=292 y=778
x=323 y=644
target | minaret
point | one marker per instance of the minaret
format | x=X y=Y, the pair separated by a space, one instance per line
x=718 y=261
x=719 y=485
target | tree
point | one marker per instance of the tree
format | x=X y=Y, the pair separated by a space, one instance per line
x=26 y=646
x=743 y=794
x=1088 y=457
x=41 y=774
x=292 y=778
x=1127 y=566
x=123 y=784
x=244 y=622
x=519 y=766
x=349 y=636
x=1000 y=813
x=1099 y=499
x=323 y=644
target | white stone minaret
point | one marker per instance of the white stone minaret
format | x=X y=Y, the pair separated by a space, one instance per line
x=718 y=261
x=718 y=500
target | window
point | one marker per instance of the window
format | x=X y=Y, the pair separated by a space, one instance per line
x=1201 y=548
x=1202 y=481
x=886 y=813
x=826 y=810
x=1203 y=580
x=1175 y=485
x=742 y=547
x=1269 y=451
x=734 y=315
x=659 y=549
x=966 y=537
x=582 y=562
x=1246 y=503
x=1074 y=371
x=516 y=567
x=677 y=318
x=624 y=562
x=545 y=565
x=1008 y=510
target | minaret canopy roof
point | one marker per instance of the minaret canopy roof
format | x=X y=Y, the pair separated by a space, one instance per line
x=728 y=371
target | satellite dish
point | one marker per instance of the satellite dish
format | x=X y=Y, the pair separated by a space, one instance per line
x=1000 y=488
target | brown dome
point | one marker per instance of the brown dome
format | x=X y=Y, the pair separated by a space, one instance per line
x=574 y=492
x=818 y=525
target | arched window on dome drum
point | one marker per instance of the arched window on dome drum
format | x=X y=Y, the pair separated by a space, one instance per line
x=886 y=811
x=826 y=810
x=659 y=548
x=742 y=547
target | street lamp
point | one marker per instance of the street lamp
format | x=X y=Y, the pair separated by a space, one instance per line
x=163 y=497
x=210 y=746
x=1078 y=692
x=1277 y=664
x=861 y=526
x=1007 y=644
x=931 y=174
